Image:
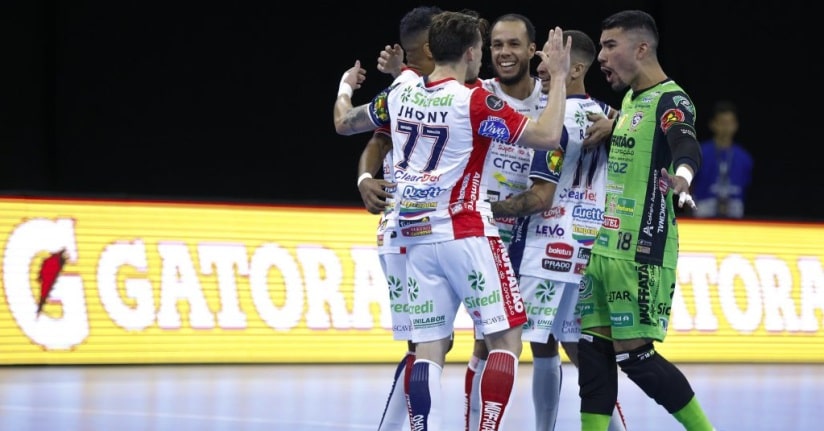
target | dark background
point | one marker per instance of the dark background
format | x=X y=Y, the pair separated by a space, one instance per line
x=232 y=101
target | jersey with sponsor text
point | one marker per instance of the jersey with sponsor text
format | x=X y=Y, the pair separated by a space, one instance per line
x=441 y=133
x=639 y=220
x=387 y=224
x=555 y=244
x=507 y=165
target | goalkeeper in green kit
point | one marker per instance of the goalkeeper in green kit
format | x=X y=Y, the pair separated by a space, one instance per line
x=626 y=293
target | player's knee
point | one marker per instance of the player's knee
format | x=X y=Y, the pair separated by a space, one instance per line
x=657 y=377
x=509 y=340
x=480 y=350
x=597 y=375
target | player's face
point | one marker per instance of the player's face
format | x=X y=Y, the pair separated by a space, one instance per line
x=724 y=125
x=543 y=73
x=618 y=58
x=511 y=51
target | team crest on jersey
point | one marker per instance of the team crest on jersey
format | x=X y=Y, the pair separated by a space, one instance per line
x=494 y=102
x=636 y=120
x=555 y=161
x=379 y=108
x=495 y=128
x=672 y=116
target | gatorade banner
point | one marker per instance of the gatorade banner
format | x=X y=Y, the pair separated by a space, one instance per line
x=115 y=282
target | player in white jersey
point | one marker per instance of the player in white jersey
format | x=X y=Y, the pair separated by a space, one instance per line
x=376 y=194
x=441 y=134
x=559 y=219
x=377 y=198
x=512 y=46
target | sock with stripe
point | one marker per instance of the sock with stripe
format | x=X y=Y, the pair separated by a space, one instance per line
x=497 y=384
x=425 y=399
x=396 y=411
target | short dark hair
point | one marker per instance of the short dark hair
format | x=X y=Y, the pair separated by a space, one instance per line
x=583 y=48
x=632 y=20
x=451 y=34
x=530 y=28
x=723 y=107
x=415 y=22
x=482 y=22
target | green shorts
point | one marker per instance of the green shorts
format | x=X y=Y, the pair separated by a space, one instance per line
x=633 y=299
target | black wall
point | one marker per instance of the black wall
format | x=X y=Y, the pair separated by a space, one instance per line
x=233 y=101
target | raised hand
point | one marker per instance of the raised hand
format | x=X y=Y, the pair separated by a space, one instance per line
x=556 y=53
x=390 y=60
x=352 y=79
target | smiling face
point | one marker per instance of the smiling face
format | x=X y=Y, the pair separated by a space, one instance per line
x=543 y=73
x=511 y=51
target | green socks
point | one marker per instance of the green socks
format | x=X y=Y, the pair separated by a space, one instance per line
x=594 y=422
x=692 y=417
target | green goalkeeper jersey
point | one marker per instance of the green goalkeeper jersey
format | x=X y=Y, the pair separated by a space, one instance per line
x=639 y=218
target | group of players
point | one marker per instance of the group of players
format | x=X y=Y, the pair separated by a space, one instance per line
x=547 y=214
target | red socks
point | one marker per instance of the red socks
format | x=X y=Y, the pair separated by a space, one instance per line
x=497 y=381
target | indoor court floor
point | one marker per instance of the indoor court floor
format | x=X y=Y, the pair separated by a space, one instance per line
x=749 y=397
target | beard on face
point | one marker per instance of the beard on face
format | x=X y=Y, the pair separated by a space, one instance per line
x=523 y=70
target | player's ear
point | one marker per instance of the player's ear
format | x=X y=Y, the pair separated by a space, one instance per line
x=426 y=51
x=577 y=70
x=471 y=53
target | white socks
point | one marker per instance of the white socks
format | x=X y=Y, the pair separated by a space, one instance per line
x=546 y=391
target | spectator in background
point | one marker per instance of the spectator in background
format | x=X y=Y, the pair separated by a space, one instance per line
x=720 y=186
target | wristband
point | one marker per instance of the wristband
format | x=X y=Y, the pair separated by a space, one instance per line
x=684 y=173
x=344 y=87
x=363 y=176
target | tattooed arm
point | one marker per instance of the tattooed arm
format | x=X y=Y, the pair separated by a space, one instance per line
x=351 y=120
x=538 y=198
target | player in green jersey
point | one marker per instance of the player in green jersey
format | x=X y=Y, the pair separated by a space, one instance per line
x=625 y=297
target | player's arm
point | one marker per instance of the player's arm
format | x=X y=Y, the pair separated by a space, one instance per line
x=686 y=155
x=536 y=199
x=678 y=124
x=373 y=191
x=544 y=172
x=350 y=119
x=547 y=131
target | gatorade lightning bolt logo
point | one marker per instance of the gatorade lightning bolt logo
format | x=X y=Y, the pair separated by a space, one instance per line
x=49 y=271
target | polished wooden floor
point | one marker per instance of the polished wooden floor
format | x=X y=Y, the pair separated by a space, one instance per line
x=350 y=397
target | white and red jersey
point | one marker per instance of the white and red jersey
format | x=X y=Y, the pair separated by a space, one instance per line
x=555 y=244
x=507 y=166
x=387 y=225
x=441 y=134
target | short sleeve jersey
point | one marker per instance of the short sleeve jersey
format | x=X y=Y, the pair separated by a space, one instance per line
x=639 y=220
x=441 y=133
x=507 y=166
x=556 y=243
